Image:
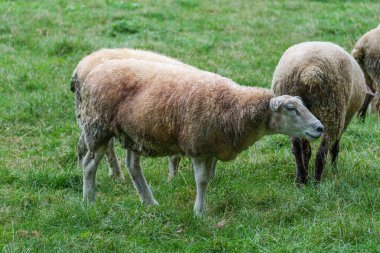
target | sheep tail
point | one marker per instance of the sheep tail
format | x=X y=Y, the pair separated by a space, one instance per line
x=74 y=84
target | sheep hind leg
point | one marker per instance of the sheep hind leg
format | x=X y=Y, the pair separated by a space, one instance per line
x=139 y=181
x=114 y=167
x=363 y=109
x=81 y=148
x=173 y=165
x=301 y=172
x=90 y=165
x=320 y=160
x=203 y=168
x=334 y=152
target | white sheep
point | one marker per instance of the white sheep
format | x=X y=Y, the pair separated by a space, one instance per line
x=367 y=54
x=332 y=86
x=157 y=109
x=81 y=71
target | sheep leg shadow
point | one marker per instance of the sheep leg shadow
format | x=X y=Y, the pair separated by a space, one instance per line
x=114 y=167
x=138 y=178
x=203 y=170
x=90 y=165
x=320 y=160
x=301 y=171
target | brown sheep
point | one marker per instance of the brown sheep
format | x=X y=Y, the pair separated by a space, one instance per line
x=332 y=86
x=367 y=54
x=80 y=73
x=159 y=109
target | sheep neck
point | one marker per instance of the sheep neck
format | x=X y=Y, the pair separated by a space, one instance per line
x=245 y=119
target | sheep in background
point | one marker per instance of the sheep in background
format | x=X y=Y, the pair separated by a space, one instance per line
x=159 y=109
x=332 y=86
x=367 y=54
x=79 y=76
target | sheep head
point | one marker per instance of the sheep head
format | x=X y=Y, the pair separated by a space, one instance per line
x=289 y=116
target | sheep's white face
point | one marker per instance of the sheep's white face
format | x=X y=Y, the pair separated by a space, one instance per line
x=290 y=117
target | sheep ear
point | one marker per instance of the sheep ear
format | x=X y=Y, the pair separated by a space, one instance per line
x=275 y=103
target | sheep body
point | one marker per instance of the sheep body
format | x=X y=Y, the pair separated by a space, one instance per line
x=164 y=117
x=332 y=86
x=158 y=109
x=81 y=71
x=367 y=54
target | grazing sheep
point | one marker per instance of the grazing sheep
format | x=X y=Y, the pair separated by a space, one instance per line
x=367 y=54
x=83 y=69
x=332 y=86
x=157 y=109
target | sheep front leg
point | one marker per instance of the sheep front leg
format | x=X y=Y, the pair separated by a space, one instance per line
x=306 y=153
x=90 y=165
x=203 y=170
x=173 y=165
x=301 y=172
x=139 y=181
x=114 y=167
x=363 y=109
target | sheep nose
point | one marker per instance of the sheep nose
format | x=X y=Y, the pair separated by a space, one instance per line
x=320 y=129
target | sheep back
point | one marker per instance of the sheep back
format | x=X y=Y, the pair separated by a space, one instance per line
x=89 y=62
x=367 y=54
x=321 y=74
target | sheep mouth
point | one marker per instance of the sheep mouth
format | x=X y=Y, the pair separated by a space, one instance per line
x=313 y=136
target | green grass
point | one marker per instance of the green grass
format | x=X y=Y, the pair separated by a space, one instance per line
x=40 y=183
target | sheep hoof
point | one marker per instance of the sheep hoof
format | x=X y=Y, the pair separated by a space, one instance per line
x=170 y=177
x=88 y=200
x=301 y=181
x=150 y=202
x=199 y=213
x=120 y=177
x=316 y=182
x=300 y=185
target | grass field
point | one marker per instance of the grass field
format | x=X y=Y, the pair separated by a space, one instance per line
x=253 y=204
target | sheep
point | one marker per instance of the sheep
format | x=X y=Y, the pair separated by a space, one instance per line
x=158 y=109
x=80 y=73
x=367 y=54
x=332 y=86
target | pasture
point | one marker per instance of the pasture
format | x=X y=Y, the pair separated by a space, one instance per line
x=253 y=203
